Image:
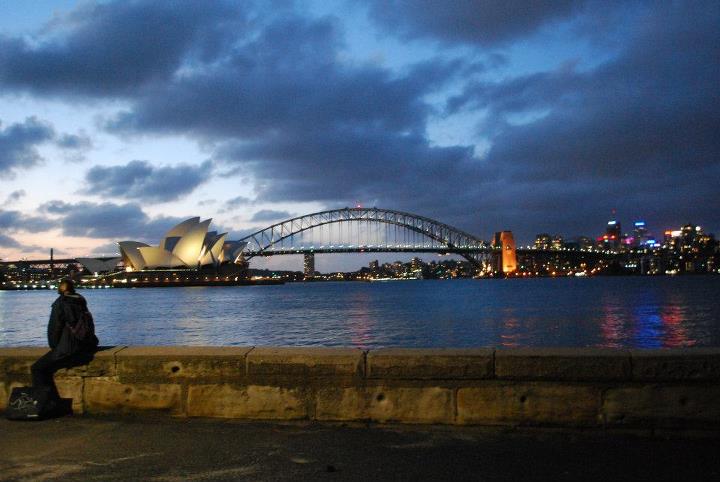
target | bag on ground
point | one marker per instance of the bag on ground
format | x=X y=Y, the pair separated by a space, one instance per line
x=29 y=403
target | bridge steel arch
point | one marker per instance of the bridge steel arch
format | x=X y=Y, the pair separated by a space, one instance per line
x=453 y=240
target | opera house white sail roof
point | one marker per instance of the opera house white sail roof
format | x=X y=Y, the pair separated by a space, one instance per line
x=186 y=245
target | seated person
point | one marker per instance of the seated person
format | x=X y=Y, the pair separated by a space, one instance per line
x=71 y=336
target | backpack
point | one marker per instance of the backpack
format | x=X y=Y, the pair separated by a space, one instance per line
x=84 y=327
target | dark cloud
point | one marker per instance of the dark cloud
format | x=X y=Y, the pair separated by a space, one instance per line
x=382 y=166
x=288 y=114
x=235 y=203
x=141 y=181
x=632 y=128
x=107 y=249
x=238 y=201
x=285 y=80
x=8 y=242
x=74 y=146
x=114 y=48
x=74 y=141
x=304 y=126
x=109 y=220
x=13 y=221
x=242 y=233
x=270 y=215
x=484 y=22
x=637 y=133
x=18 y=145
x=14 y=197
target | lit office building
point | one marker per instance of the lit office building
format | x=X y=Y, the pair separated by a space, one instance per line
x=611 y=238
x=309 y=265
x=640 y=234
x=543 y=241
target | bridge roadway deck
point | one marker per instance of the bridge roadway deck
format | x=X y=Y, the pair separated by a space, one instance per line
x=365 y=249
x=167 y=449
x=420 y=249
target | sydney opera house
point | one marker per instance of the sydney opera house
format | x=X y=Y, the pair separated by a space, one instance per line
x=187 y=245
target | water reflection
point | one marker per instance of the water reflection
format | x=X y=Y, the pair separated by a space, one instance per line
x=361 y=324
x=651 y=321
x=676 y=335
x=648 y=325
x=510 y=336
x=612 y=326
x=608 y=312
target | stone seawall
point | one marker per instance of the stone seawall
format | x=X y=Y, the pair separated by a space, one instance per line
x=668 y=389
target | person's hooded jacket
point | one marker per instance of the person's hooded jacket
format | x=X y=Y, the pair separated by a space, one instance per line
x=68 y=308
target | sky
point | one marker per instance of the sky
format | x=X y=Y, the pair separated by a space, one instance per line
x=119 y=119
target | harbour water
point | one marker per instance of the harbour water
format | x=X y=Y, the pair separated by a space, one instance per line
x=630 y=312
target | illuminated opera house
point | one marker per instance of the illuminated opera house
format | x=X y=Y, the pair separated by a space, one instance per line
x=187 y=245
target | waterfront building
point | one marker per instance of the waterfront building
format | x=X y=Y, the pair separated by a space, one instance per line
x=415 y=264
x=99 y=265
x=186 y=245
x=543 y=241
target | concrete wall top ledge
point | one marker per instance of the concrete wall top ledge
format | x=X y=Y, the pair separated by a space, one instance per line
x=184 y=351
x=430 y=363
x=571 y=364
x=563 y=364
x=676 y=364
x=675 y=352
x=178 y=362
x=22 y=351
x=305 y=361
x=562 y=351
x=317 y=351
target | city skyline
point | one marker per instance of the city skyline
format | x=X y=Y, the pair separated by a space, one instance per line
x=120 y=119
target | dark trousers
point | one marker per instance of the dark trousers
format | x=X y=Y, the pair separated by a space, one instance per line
x=46 y=366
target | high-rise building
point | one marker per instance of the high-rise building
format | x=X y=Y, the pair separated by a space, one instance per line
x=415 y=264
x=612 y=236
x=640 y=234
x=613 y=229
x=309 y=265
x=543 y=241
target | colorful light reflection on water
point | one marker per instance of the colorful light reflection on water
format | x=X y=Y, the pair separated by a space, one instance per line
x=603 y=312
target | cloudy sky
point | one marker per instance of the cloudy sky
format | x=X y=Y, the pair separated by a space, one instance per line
x=120 y=118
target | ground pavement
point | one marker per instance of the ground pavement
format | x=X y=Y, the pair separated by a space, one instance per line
x=166 y=449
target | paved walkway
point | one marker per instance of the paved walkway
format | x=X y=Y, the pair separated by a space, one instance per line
x=165 y=449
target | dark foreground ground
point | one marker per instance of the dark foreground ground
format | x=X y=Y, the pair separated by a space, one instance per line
x=165 y=449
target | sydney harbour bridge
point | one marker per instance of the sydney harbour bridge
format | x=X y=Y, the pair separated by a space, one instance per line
x=365 y=230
